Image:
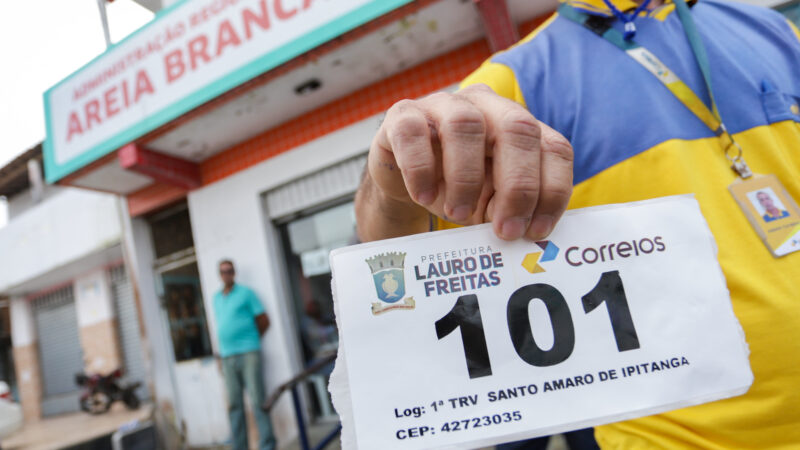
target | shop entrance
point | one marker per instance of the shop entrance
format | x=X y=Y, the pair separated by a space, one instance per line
x=307 y=242
x=196 y=379
x=179 y=283
x=185 y=311
x=60 y=351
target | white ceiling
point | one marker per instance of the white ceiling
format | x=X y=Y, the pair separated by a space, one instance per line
x=431 y=31
x=81 y=266
x=113 y=178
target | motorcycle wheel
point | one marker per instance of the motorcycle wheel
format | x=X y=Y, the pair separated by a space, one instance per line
x=96 y=403
x=131 y=400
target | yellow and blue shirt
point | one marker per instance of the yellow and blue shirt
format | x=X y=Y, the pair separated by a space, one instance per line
x=633 y=140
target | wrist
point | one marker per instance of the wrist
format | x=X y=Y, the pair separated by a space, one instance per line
x=381 y=215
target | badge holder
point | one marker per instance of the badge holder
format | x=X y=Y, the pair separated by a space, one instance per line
x=772 y=212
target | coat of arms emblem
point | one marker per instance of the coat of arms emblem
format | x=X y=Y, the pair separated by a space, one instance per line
x=388 y=275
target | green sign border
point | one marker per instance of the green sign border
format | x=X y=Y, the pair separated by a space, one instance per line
x=312 y=39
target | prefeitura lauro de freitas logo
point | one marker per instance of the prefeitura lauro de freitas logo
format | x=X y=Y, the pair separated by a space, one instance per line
x=390 y=285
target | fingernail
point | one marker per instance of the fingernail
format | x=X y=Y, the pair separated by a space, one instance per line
x=461 y=213
x=542 y=226
x=426 y=197
x=513 y=228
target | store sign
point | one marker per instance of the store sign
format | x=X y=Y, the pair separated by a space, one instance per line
x=191 y=53
x=457 y=339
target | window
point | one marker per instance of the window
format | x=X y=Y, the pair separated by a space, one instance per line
x=185 y=312
x=176 y=270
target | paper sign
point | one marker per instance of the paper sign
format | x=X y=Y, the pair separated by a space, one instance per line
x=457 y=339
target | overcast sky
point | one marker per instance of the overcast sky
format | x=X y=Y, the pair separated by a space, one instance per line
x=41 y=42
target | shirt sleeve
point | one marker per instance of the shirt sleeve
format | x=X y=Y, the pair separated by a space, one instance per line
x=499 y=77
x=255 y=304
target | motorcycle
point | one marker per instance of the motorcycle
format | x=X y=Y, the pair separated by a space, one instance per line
x=100 y=391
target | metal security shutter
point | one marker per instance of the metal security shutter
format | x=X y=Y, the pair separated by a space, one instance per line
x=332 y=183
x=128 y=326
x=60 y=352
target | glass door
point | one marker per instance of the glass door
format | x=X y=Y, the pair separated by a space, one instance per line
x=178 y=283
x=183 y=305
x=307 y=242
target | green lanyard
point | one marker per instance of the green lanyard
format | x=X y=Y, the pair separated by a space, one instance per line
x=711 y=117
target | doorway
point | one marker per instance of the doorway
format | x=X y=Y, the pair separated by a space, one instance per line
x=178 y=283
x=307 y=242
x=60 y=351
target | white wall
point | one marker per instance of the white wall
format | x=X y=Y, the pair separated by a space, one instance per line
x=93 y=298
x=23 y=328
x=228 y=221
x=206 y=415
x=66 y=227
x=23 y=201
x=3 y=212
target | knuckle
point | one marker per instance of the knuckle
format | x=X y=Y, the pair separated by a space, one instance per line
x=521 y=129
x=465 y=120
x=557 y=192
x=476 y=88
x=402 y=105
x=407 y=129
x=521 y=188
x=437 y=97
x=558 y=146
x=417 y=170
x=467 y=178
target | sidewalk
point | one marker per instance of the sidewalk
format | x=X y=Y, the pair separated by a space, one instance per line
x=70 y=429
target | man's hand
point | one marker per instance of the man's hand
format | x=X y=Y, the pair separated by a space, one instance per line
x=470 y=157
x=262 y=322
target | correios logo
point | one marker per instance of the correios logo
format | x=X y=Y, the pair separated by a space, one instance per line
x=532 y=261
x=578 y=256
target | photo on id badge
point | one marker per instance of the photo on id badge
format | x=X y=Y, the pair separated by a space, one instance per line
x=772 y=212
x=768 y=205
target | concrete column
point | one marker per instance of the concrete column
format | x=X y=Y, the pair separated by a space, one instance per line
x=26 y=358
x=501 y=32
x=97 y=322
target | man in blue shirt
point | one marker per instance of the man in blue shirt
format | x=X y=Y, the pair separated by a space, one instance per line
x=241 y=321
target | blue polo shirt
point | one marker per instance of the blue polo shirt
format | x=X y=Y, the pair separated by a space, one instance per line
x=236 y=320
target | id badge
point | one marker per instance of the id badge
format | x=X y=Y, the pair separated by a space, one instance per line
x=772 y=212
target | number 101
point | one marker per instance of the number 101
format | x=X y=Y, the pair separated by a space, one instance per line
x=466 y=314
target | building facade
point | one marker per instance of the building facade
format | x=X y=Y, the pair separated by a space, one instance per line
x=70 y=302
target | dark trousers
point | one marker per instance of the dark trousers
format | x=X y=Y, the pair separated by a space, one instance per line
x=576 y=440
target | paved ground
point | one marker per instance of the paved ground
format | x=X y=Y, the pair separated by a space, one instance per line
x=62 y=431
x=71 y=429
